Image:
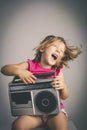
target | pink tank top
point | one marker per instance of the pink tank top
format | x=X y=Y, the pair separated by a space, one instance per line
x=35 y=67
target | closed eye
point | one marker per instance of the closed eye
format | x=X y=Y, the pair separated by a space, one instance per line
x=62 y=51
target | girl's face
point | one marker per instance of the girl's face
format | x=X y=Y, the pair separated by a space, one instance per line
x=52 y=54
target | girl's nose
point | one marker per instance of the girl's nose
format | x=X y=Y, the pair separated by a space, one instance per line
x=58 y=51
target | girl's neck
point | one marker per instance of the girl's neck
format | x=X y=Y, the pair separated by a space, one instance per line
x=45 y=65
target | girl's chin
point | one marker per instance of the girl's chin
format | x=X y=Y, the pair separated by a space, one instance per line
x=52 y=63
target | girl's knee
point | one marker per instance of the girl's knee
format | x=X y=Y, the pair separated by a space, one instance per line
x=26 y=123
x=18 y=124
x=58 y=122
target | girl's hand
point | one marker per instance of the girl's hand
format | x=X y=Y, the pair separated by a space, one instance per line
x=59 y=84
x=26 y=76
x=58 y=81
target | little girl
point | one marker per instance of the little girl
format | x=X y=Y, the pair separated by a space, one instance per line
x=51 y=55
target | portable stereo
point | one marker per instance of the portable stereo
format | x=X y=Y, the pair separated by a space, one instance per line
x=34 y=99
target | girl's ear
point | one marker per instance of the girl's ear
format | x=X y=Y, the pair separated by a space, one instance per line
x=42 y=49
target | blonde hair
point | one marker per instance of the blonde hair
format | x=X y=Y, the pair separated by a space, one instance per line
x=70 y=53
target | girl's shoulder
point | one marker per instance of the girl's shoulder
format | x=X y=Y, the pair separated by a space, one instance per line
x=57 y=71
x=32 y=62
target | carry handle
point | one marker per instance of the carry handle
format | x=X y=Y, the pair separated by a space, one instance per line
x=38 y=75
x=44 y=75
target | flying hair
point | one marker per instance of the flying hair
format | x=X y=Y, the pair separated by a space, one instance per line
x=71 y=52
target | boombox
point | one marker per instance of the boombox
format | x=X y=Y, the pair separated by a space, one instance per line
x=33 y=99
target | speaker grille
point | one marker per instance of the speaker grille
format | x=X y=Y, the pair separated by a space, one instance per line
x=46 y=102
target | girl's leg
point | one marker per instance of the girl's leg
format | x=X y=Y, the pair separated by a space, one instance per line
x=26 y=123
x=58 y=122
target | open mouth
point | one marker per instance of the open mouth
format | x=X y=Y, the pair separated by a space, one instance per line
x=54 y=56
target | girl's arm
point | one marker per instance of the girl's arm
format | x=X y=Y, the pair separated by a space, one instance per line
x=13 y=69
x=20 y=70
x=59 y=84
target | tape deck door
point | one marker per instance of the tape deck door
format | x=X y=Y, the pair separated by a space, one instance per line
x=21 y=103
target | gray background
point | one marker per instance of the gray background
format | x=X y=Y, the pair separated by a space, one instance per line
x=23 y=24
